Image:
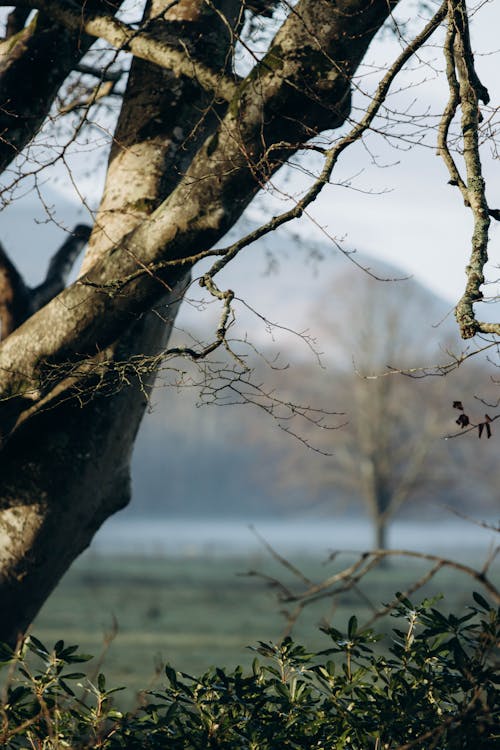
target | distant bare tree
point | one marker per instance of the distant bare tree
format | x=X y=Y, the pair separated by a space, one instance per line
x=391 y=450
x=388 y=452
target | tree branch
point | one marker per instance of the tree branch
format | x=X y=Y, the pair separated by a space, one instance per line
x=284 y=100
x=467 y=90
x=90 y=97
x=332 y=155
x=60 y=267
x=15 y=21
x=139 y=42
x=17 y=301
x=33 y=66
x=348 y=577
x=102 y=74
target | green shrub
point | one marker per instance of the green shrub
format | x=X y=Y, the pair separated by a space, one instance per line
x=434 y=686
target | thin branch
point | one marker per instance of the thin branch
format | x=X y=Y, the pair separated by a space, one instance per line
x=416 y=586
x=282 y=560
x=100 y=91
x=467 y=425
x=469 y=519
x=102 y=74
x=467 y=90
x=376 y=556
x=350 y=576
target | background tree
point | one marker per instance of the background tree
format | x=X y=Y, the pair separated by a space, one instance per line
x=251 y=468
x=193 y=144
x=391 y=451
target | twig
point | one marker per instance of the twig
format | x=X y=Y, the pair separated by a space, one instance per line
x=286 y=563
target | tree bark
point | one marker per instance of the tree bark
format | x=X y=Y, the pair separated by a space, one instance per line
x=147 y=160
x=34 y=62
x=176 y=183
x=63 y=473
x=91 y=442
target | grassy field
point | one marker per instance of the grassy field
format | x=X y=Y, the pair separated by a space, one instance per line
x=198 y=612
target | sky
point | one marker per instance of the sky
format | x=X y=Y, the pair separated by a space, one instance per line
x=402 y=210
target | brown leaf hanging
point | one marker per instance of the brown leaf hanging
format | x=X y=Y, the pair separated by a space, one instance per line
x=463 y=420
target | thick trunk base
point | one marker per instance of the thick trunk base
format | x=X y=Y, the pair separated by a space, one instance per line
x=64 y=472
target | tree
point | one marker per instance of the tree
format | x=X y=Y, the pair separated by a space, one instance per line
x=192 y=146
x=391 y=451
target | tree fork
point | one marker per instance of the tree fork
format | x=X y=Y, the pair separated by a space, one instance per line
x=273 y=107
x=91 y=442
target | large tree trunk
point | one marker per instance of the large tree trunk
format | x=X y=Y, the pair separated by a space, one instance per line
x=58 y=490
x=63 y=473
x=172 y=188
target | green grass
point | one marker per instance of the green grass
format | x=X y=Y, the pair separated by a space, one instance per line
x=198 y=612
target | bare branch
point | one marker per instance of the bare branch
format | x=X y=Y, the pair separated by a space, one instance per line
x=103 y=74
x=262 y=7
x=375 y=557
x=100 y=91
x=466 y=424
x=449 y=113
x=348 y=578
x=282 y=560
x=60 y=267
x=37 y=59
x=469 y=519
x=333 y=154
x=219 y=183
x=467 y=90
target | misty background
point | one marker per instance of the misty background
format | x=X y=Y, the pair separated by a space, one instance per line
x=317 y=332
